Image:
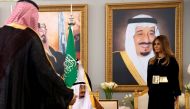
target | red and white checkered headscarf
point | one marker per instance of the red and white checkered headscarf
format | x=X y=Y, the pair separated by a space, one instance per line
x=26 y=14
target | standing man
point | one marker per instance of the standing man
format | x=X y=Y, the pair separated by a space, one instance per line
x=27 y=79
x=130 y=66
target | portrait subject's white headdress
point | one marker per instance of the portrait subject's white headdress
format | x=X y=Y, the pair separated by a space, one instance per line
x=140 y=62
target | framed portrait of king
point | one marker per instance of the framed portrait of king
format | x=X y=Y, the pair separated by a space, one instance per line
x=54 y=22
x=130 y=30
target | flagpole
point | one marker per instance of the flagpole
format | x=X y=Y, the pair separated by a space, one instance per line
x=71 y=19
x=11 y=8
x=71 y=9
x=70 y=75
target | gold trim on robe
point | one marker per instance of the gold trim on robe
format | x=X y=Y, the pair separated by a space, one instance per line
x=18 y=26
x=132 y=68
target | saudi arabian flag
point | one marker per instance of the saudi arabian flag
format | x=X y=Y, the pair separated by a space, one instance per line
x=70 y=75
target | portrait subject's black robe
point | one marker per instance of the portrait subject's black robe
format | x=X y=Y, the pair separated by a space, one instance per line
x=161 y=96
x=28 y=81
x=121 y=74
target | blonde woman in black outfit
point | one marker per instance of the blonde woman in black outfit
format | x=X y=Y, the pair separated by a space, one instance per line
x=163 y=71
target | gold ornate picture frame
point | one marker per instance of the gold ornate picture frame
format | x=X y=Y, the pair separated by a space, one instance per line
x=56 y=18
x=122 y=66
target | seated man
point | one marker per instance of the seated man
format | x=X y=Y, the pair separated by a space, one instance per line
x=82 y=89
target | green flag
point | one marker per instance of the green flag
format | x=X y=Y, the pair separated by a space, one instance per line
x=70 y=75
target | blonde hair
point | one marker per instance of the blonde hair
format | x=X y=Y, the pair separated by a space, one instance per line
x=165 y=46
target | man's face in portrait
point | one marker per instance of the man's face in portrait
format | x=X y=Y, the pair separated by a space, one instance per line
x=42 y=33
x=143 y=38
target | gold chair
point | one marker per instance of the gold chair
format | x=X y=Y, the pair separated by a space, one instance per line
x=95 y=94
x=137 y=96
x=187 y=95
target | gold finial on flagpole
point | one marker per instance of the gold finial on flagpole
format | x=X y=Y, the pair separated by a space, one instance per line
x=71 y=19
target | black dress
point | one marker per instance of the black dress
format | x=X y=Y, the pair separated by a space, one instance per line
x=27 y=79
x=162 y=93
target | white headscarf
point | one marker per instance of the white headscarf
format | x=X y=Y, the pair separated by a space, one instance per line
x=83 y=103
x=141 y=63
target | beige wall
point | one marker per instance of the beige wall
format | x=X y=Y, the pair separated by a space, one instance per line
x=96 y=35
